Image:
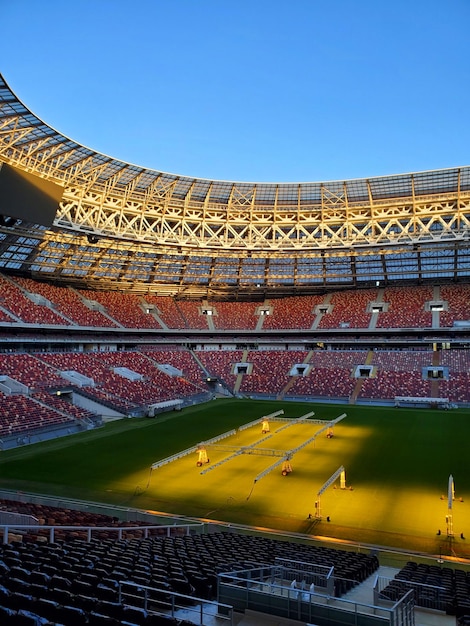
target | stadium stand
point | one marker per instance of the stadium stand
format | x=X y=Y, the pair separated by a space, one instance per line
x=16 y=302
x=235 y=315
x=192 y=313
x=130 y=379
x=324 y=383
x=406 y=308
x=363 y=283
x=270 y=372
x=398 y=370
x=292 y=312
x=434 y=587
x=21 y=415
x=4 y=316
x=123 y=380
x=165 y=558
x=385 y=385
x=28 y=370
x=67 y=301
x=220 y=364
x=62 y=405
x=82 y=574
x=167 y=310
x=457 y=298
x=179 y=358
x=125 y=308
x=331 y=374
x=349 y=309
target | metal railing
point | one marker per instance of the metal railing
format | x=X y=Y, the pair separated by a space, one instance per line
x=87 y=533
x=169 y=603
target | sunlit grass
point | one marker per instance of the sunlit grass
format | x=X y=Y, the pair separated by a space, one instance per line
x=397 y=464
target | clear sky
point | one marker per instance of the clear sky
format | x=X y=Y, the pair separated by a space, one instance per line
x=249 y=90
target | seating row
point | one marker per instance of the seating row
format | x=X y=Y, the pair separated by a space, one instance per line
x=434 y=587
x=404 y=307
x=159 y=375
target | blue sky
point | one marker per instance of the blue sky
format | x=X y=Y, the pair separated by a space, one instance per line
x=249 y=90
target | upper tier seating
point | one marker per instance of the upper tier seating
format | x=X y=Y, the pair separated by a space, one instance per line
x=458 y=301
x=68 y=302
x=125 y=308
x=168 y=310
x=349 y=309
x=13 y=299
x=190 y=311
x=406 y=308
x=235 y=315
x=292 y=312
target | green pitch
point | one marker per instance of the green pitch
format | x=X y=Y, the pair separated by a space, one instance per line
x=397 y=464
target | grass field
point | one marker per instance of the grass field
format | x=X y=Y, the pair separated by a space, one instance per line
x=397 y=463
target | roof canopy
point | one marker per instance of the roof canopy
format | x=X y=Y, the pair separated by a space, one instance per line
x=120 y=225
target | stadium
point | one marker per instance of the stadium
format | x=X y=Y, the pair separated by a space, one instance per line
x=299 y=352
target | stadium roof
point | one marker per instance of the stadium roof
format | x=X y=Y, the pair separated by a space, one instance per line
x=123 y=226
